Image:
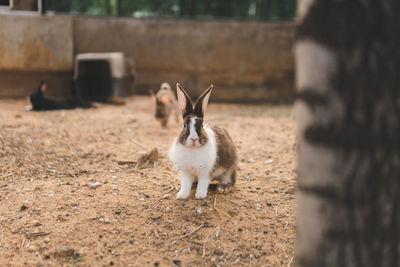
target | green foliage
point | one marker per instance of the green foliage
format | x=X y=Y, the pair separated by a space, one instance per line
x=237 y=9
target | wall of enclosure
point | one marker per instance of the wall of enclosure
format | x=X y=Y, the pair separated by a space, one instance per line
x=245 y=60
x=34 y=48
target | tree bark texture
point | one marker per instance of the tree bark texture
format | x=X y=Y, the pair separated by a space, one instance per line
x=348 y=82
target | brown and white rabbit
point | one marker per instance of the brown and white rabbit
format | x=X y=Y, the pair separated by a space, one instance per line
x=165 y=104
x=202 y=152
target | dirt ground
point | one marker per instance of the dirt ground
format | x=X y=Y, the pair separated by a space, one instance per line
x=73 y=194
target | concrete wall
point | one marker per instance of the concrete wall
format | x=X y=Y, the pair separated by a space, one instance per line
x=33 y=48
x=245 y=60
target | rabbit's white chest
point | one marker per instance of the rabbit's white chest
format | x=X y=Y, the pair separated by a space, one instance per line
x=195 y=160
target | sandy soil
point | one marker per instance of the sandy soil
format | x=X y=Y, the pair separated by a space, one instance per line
x=50 y=214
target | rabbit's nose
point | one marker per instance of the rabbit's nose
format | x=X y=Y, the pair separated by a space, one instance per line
x=194 y=139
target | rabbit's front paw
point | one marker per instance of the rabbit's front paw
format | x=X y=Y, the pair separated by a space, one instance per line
x=201 y=194
x=182 y=194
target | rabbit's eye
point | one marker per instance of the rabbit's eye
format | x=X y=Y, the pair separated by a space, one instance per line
x=199 y=124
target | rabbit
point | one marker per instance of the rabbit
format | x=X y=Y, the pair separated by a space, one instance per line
x=165 y=103
x=201 y=151
x=40 y=102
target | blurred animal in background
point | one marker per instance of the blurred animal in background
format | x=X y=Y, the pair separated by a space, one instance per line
x=40 y=102
x=165 y=104
x=202 y=152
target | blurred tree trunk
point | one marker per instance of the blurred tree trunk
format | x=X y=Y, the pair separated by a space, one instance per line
x=119 y=8
x=188 y=8
x=263 y=8
x=286 y=8
x=222 y=8
x=108 y=8
x=348 y=81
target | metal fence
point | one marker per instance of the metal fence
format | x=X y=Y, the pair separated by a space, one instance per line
x=197 y=9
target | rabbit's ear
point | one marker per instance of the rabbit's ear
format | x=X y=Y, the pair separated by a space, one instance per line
x=184 y=101
x=201 y=103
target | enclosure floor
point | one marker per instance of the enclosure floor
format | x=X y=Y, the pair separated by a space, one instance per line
x=50 y=216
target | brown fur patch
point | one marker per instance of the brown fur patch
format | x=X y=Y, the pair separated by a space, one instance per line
x=227 y=155
x=183 y=135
